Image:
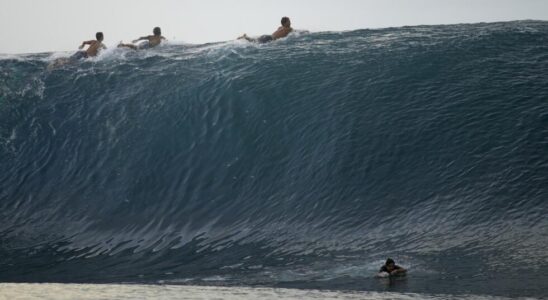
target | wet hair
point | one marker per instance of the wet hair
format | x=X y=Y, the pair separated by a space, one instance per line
x=157 y=31
x=285 y=20
x=99 y=36
x=390 y=261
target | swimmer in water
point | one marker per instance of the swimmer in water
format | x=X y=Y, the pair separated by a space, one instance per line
x=391 y=269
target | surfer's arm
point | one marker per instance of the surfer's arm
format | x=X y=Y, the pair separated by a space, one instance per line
x=382 y=274
x=398 y=271
x=141 y=39
x=85 y=43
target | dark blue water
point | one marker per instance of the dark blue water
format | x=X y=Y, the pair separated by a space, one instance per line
x=301 y=163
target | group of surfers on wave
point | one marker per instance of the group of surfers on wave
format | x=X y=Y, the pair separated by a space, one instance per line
x=390 y=268
x=156 y=39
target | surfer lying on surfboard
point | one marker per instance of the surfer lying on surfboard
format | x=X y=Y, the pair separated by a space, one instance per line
x=282 y=32
x=95 y=46
x=150 y=40
x=391 y=269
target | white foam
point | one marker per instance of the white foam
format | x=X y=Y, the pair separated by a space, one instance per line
x=17 y=291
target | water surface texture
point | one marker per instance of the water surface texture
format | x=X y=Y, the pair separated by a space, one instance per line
x=303 y=163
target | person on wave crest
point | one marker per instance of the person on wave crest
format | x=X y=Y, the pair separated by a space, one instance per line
x=282 y=32
x=150 y=41
x=391 y=269
x=95 y=46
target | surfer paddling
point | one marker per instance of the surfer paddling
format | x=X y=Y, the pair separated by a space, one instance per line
x=150 y=40
x=282 y=32
x=391 y=269
x=94 y=47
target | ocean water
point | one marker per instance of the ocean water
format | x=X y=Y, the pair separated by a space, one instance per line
x=303 y=163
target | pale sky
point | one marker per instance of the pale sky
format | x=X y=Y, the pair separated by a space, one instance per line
x=28 y=26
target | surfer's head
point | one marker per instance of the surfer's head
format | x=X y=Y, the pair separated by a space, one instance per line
x=286 y=22
x=390 y=264
x=99 y=36
x=157 y=31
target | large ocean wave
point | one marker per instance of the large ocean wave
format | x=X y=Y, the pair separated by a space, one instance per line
x=304 y=162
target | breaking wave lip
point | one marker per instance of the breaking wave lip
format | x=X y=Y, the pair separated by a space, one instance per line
x=300 y=163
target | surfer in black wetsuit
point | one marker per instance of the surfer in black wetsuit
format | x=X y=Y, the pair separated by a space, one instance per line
x=151 y=40
x=391 y=269
x=282 y=32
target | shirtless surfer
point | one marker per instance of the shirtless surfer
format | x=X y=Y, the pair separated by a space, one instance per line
x=282 y=32
x=151 y=40
x=95 y=46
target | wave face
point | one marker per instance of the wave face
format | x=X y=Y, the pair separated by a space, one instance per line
x=301 y=163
